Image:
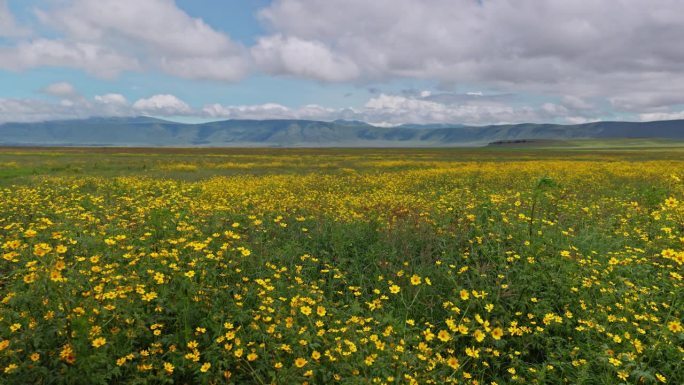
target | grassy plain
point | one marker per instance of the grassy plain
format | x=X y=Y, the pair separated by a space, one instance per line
x=349 y=266
x=648 y=144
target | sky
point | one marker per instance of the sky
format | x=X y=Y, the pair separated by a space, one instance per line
x=386 y=62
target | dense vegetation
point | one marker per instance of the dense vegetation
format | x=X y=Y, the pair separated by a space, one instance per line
x=341 y=266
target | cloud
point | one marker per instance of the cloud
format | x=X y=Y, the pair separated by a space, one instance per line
x=579 y=120
x=156 y=32
x=647 y=100
x=270 y=111
x=383 y=109
x=94 y=59
x=228 y=68
x=107 y=37
x=73 y=105
x=395 y=109
x=61 y=89
x=112 y=99
x=29 y=110
x=293 y=56
x=387 y=109
x=112 y=104
x=653 y=116
x=460 y=98
x=576 y=103
x=576 y=54
x=8 y=26
x=262 y=111
x=162 y=104
x=584 y=48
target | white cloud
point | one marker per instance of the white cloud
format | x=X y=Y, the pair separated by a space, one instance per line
x=652 y=116
x=61 y=89
x=28 y=110
x=583 y=48
x=162 y=104
x=156 y=24
x=270 y=111
x=228 y=68
x=395 y=109
x=554 y=109
x=157 y=32
x=8 y=26
x=576 y=103
x=94 y=59
x=648 y=99
x=387 y=110
x=72 y=105
x=383 y=109
x=577 y=54
x=112 y=105
x=261 y=111
x=107 y=37
x=112 y=99
x=304 y=58
x=579 y=120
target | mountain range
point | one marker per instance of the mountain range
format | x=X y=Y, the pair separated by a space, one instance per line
x=152 y=132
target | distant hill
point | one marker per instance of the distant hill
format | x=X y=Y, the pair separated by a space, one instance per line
x=151 y=132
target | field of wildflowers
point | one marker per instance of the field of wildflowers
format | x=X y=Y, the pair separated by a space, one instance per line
x=341 y=267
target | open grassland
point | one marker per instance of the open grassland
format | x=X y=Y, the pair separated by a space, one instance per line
x=471 y=266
